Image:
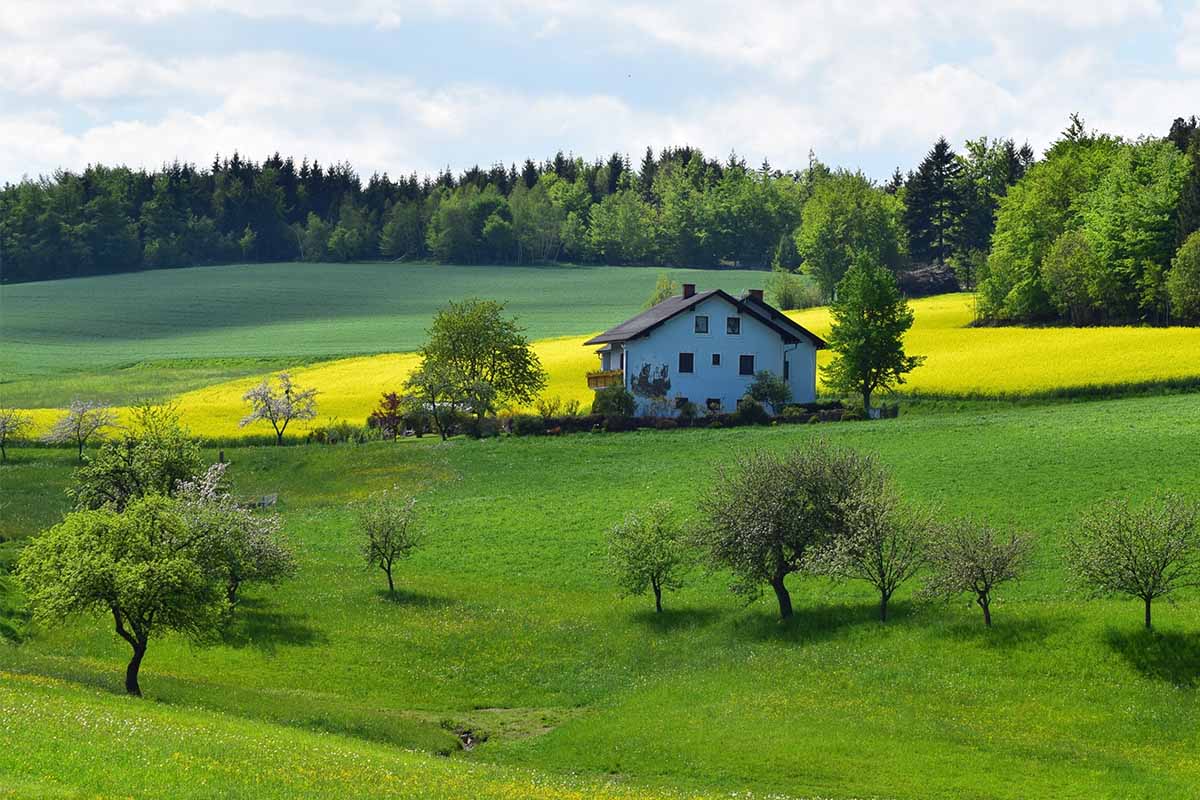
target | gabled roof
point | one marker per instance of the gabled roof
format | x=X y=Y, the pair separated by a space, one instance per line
x=656 y=315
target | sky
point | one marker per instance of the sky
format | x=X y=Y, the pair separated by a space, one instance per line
x=397 y=86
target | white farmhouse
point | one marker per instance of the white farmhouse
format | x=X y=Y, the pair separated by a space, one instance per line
x=707 y=346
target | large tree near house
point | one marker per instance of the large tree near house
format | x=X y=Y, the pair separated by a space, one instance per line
x=766 y=511
x=483 y=357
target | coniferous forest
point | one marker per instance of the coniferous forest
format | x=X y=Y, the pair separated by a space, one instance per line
x=1096 y=230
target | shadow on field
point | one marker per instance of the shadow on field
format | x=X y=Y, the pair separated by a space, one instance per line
x=1170 y=657
x=674 y=619
x=256 y=624
x=1006 y=631
x=407 y=597
x=817 y=622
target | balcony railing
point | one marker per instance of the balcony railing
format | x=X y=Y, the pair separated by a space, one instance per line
x=603 y=378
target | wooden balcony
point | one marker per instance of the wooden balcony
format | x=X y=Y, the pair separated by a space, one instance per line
x=603 y=378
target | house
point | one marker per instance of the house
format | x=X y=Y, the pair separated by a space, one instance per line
x=705 y=347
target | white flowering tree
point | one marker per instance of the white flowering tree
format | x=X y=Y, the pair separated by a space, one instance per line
x=280 y=404
x=1146 y=551
x=84 y=420
x=243 y=546
x=966 y=557
x=13 y=424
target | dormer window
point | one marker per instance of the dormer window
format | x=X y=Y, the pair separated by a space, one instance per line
x=701 y=324
x=733 y=325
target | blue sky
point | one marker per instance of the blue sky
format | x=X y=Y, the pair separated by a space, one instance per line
x=400 y=86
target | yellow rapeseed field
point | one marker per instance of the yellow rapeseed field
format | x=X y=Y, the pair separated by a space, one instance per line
x=961 y=361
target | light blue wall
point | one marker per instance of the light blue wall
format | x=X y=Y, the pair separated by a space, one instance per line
x=663 y=345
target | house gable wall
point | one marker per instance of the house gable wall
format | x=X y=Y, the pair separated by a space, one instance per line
x=662 y=346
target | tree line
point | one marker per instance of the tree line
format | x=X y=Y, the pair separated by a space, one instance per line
x=1095 y=231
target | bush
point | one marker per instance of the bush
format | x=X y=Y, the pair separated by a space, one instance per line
x=665 y=423
x=616 y=423
x=789 y=291
x=614 y=400
x=770 y=389
x=751 y=412
x=528 y=425
x=337 y=431
x=548 y=407
x=854 y=413
x=484 y=428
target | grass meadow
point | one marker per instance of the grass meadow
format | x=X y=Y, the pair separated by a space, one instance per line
x=509 y=626
x=203 y=336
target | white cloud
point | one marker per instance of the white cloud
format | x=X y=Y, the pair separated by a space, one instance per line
x=869 y=83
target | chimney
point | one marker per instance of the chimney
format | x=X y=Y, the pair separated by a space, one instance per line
x=689 y=289
x=756 y=295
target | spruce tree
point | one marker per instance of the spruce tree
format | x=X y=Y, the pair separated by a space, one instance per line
x=934 y=205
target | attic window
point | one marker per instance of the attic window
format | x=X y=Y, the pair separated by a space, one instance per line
x=733 y=325
x=701 y=323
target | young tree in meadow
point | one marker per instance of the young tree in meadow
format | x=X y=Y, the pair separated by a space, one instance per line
x=481 y=357
x=1147 y=552
x=240 y=545
x=279 y=406
x=153 y=456
x=144 y=567
x=647 y=551
x=391 y=529
x=664 y=288
x=870 y=318
x=13 y=425
x=388 y=416
x=968 y=557
x=84 y=420
x=882 y=542
x=763 y=514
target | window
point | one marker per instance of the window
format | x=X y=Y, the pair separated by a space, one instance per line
x=716 y=359
x=746 y=365
x=687 y=362
x=701 y=323
x=680 y=402
x=713 y=404
x=733 y=325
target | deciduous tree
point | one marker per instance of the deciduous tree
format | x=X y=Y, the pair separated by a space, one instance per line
x=870 y=318
x=13 y=425
x=391 y=530
x=763 y=514
x=279 y=405
x=646 y=550
x=968 y=557
x=144 y=566
x=1147 y=551
x=84 y=420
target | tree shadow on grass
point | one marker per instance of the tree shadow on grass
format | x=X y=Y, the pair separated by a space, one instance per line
x=822 y=621
x=407 y=597
x=256 y=624
x=1005 y=631
x=1170 y=657
x=674 y=619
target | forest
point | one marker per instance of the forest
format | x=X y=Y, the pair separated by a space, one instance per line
x=1094 y=231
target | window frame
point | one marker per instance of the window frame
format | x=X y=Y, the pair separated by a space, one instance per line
x=733 y=322
x=716 y=359
x=691 y=367
x=696 y=325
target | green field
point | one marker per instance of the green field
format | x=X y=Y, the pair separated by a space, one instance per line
x=153 y=334
x=508 y=626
